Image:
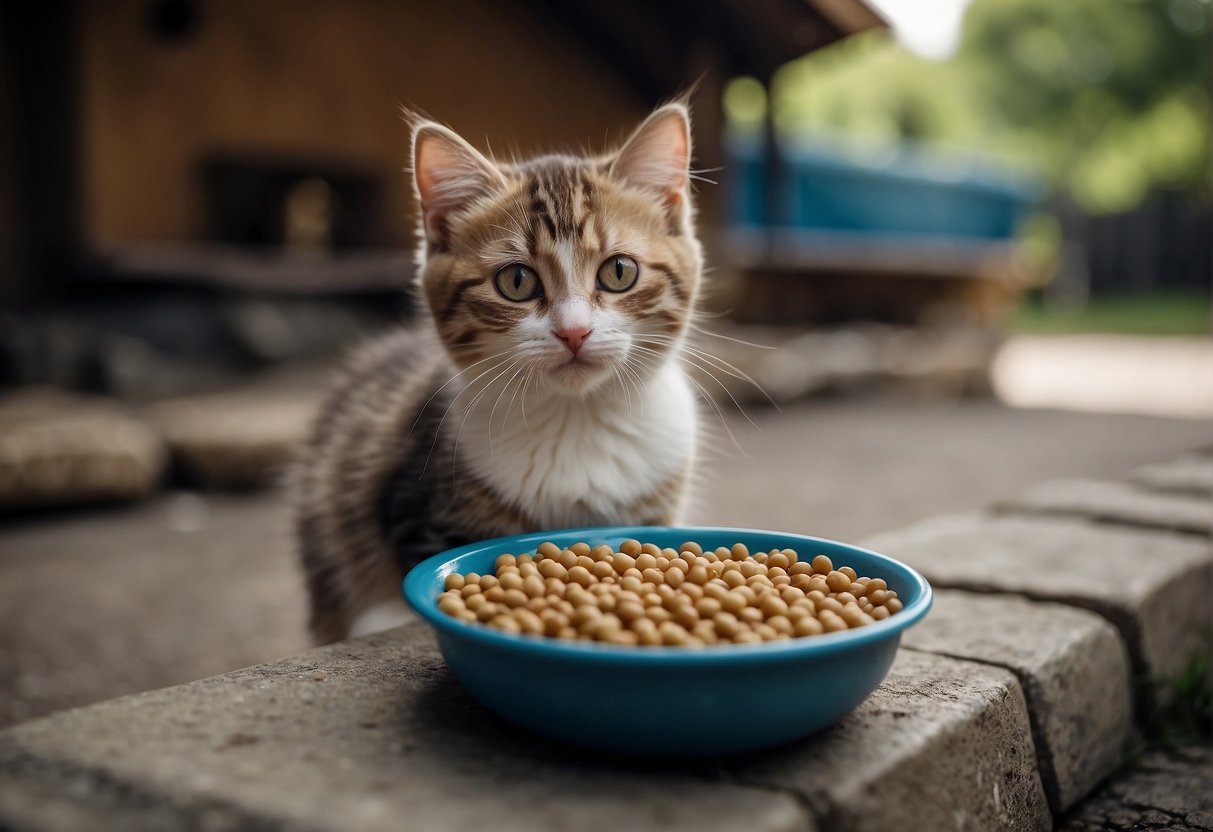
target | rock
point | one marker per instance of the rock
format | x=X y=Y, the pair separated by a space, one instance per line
x=1118 y=502
x=1191 y=474
x=235 y=440
x=1072 y=666
x=1152 y=585
x=58 y=449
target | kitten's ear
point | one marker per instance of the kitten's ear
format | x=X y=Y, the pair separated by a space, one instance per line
x=658 y=155
x=449 y=175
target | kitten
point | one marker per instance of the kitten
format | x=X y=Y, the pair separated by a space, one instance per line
x=543 y=389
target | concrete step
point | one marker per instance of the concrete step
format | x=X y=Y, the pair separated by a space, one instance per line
x=1005 y=706
x=375 y=734
x=1118 y=502
x=1072 y=666
x=1152 y=585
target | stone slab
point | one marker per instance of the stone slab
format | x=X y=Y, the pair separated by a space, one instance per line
x=237 y=440
x=375 y=734
x=1073 y=668
x=371 y=734
x=1152 y=585
x=1191 y=474
x=941 y=744
x=1117 y=502
x=58 y=449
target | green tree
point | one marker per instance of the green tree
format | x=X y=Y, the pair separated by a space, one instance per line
x=1107 y=99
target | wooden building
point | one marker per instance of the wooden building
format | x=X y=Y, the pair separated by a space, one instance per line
x=150 y=138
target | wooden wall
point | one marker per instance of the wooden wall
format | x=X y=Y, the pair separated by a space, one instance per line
x=320 y=77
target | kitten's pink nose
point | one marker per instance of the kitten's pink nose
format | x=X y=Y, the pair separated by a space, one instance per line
x=573 y=337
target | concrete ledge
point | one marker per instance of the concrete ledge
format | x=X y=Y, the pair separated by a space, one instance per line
x=1012 y=700
x=1072 y=666
x=1118 y=502
x=1152 y=585
x=375 y=733
x=941 y=744
x=369 y=735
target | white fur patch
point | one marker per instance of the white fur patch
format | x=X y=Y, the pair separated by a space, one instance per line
x=586 y=460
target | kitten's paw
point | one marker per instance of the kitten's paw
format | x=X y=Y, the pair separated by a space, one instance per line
x=382 y=616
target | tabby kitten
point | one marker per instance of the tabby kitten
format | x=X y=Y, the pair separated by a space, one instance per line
x=543 y=389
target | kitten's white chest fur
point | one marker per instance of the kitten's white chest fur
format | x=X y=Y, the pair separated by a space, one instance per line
x=575 y=461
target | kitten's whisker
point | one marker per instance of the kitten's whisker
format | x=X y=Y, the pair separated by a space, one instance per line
x=652 y=365
x=724 y=366
x=617 y=373
x=633 y=381
x=472 y=406
x=636 y=383
x=451 y=404
x=421 y=411
x=526 y=371
x=719 y=413
x=729 y=369
x=690 y=357
x=505 y=388
x=725 y=388
x=700 y=313
x=526 y=384
x=731 y=338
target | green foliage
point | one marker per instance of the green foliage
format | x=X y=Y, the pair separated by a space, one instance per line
x=1153 y=313
x=1184 y=705
x=873 y=90
x=1107 y=99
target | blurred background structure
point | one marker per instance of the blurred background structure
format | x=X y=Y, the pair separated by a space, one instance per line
x=934 y=211
x=220 y=185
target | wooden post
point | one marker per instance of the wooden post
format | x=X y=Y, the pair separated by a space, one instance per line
x=40 y=202
x=774 y=163
x=707 y=68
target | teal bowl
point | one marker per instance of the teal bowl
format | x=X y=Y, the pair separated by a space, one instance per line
x=668 y=701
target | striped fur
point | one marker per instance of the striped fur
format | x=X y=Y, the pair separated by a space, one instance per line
x=479 y=422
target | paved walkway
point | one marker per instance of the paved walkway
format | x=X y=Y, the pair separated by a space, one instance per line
x=1108 y=373
x=1165 y=789
x=99 y=604
x=1010 y=702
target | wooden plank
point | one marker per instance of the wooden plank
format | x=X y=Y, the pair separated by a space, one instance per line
x=237 y=267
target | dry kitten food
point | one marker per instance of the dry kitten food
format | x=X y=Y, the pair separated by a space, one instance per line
x=645 y=595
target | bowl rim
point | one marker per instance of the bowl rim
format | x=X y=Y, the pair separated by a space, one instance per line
x=595 y=652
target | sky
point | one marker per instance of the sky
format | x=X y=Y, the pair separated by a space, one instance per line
x=929 y=27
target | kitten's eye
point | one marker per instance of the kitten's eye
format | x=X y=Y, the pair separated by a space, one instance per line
x=518 y=283
x=618 y=273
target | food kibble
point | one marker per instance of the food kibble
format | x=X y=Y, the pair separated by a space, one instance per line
x=641 y=594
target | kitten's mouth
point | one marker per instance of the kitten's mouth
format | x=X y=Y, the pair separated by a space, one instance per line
x=578 y=364
x=579 y=368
